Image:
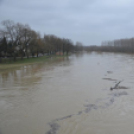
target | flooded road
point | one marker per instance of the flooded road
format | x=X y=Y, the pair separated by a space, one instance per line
x=69 y=95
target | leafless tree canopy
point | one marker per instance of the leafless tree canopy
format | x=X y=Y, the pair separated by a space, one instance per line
x=118 y=45
x=19 y=40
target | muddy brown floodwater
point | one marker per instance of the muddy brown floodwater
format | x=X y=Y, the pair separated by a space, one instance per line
x=69 y=95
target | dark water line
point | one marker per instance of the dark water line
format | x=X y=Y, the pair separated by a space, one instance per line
x=88 y=107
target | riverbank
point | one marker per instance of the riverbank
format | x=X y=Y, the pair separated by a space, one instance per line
x=7 y=64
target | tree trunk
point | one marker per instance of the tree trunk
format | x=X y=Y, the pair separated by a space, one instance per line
x=37 y=53
x=14 y=56
x=21 y=57
x=63 y=49
x=0 y=60
x=26 y=53
x=21 y=54
x=32 y=54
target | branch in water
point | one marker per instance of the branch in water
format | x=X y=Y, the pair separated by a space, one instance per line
x=116 y=86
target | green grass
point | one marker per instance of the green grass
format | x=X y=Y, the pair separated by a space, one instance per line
x=24 y=60
x=7 y=64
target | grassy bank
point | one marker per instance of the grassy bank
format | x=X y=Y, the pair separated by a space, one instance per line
x=7 y=63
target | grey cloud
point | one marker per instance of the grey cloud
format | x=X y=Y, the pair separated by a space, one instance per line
x=88 y=21
x=1 y=2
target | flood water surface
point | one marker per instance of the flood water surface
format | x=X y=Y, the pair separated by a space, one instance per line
x=70 y=95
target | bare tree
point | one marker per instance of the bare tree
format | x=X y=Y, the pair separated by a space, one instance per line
x=9 y=32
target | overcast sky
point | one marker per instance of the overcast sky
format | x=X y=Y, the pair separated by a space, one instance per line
x=87 y=21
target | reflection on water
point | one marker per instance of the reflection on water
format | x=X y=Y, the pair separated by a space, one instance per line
x=69 y=95
x=26 y=75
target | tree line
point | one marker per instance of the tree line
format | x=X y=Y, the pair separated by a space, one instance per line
x=19 y=40
x=118 y=45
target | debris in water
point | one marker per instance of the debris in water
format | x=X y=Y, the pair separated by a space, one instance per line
x=54 y=128
x=122 y=87
x=109 y=72
x=116 y=86
x=110 y=79
x=65 y=117
x=120 y=94
x=89 y=107
x=79 y=113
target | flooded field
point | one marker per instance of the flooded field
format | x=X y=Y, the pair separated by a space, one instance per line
x=90 y=93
